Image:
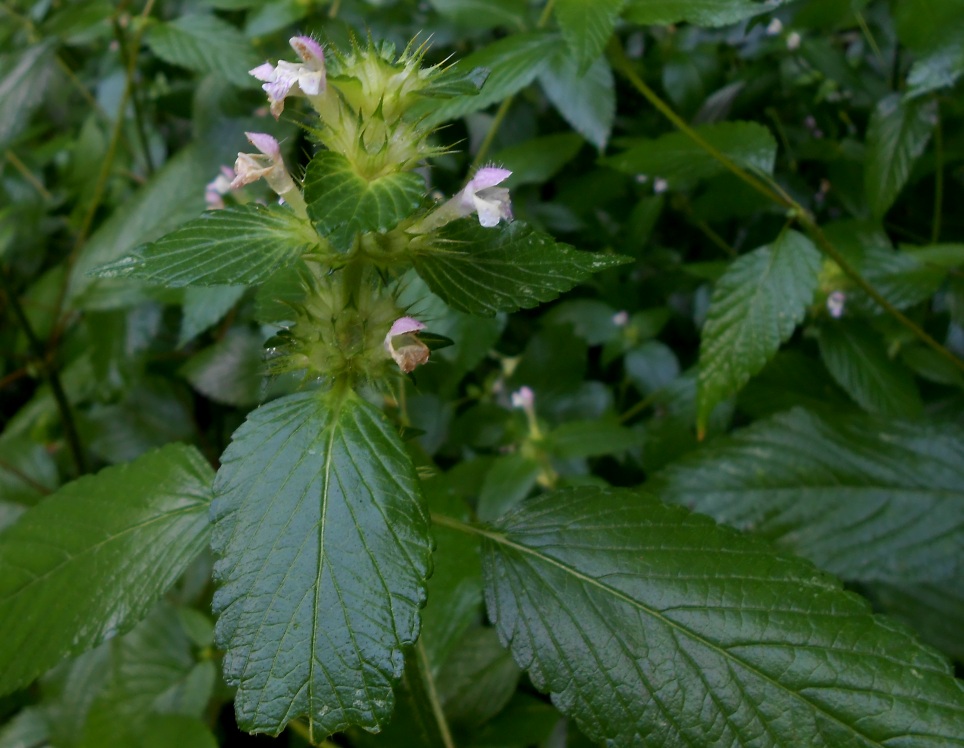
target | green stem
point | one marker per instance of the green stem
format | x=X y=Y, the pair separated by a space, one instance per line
x=938 y=180
x=431 y=693
x=129 y=58
x=546 y=14
x=775 y=193
x=49 y=373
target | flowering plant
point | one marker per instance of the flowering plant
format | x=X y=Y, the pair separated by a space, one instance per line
x=496 y=399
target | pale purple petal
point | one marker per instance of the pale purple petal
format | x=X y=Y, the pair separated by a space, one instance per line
x=405 y=325
x=266 y=144
x=486 y=177
x=308 y=50
x=263 y=72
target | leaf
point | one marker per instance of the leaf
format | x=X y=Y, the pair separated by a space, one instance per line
x=241 y=245
x=484 y=271
x=652 y=625
x=478 y=680
x=24 y=78
x=204 y=307
x=680 y=161
x=537 y=160
x=342 y=203
x=230 y=371
x=755 y=307
x=509 y=481
x=937 y=69
x=586 y=26
x=205 y=44
x=699 y=12
x=513 y=63
x=586 y=100
x=856 y=358
x=896 y=136
x=323 y=550
x=601 y=436
x=101 y=550
x=866 y=498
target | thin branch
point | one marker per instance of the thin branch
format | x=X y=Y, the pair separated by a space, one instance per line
x=50 y=374
x=431 y=692
x=27 y=174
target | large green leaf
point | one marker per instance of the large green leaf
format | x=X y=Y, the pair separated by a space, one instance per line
x=24 y=77
x=586 y=26
x=206 y=44
x=865 y=498
x=99 y=551
x=240 y=245
x=513 y=63
x=585 y=99
x=651 y=625
x=857 y=359
x=484 y=271
x=342 y=203
x=755 y=307
x=323 y=552
x=896 y=136
x=700 y=12
x=680 y=161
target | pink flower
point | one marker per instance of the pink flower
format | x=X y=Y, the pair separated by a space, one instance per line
x=218 y=187
x=288 y=78
x=481 y=196
x=403 y=345
x=267 y=165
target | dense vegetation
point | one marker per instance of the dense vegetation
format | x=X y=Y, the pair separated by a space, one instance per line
x=461 y=373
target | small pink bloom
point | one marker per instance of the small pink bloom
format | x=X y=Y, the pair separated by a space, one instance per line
x=289 y=78
x=403 y=345
x=481 y=196
x=265 y=143
x=267 y=165
x=524 y=398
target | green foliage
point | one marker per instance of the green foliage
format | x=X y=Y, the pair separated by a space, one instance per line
x=629 y=610
x=510 y=305
x=102 y=550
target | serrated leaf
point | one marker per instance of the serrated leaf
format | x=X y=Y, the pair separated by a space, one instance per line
x=586 y=100
x=898 y=132
x=650 y=625
x=487 y=270
x=699 y=12
x=241 y=245
x=205 y=44
x=856 y=358
x=754 y=308
x=865 y=498
x=323 y=552
x=342 y=203
x=680 y=161
x=586 y=26
x=101 y=550
x=513 y=63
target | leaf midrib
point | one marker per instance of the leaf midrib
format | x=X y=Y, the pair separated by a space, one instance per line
x=502 y=539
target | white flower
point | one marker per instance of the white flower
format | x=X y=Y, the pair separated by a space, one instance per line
x=267 y=165
x=774 y=27
x=286 y=78
x=793 y=40
x=218 y=187
x=836 y=303
x=403 y=345
x=481 y=196
x=660 y=185
x=621 y=319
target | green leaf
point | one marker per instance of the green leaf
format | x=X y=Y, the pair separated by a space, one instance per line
x=601 y=436
x=856 y=358
x=24 y=78
x=586 y=100
x=484 y=271
x=342 y=203
x=537 y=160
x=478 y=680
x=699 y=12
x=204 y=307
x=508 y=481
x=896 y=136
x=205 y=44
x=937 y=69
x=101 y=550
x=513 y=63
x=865 y=498
x=323 y=552
x=230 y=371
x=755 y=307
x=936 y=611
x=649 y=624
x=241 y=245
x=680 y=161
x=586 y=26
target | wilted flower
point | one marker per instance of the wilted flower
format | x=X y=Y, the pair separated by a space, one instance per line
x=267 y=165
x=306 y=77
x=403 y=345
